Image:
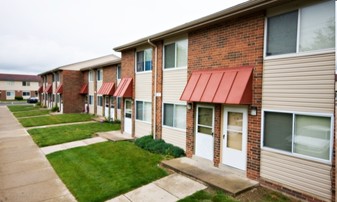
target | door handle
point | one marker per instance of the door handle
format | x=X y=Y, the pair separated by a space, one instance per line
x=223 y=136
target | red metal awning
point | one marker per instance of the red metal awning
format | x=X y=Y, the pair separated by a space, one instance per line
x=228 y=86
x=40 y=89
x=107 y=88
x=59 y=89
x=124 y=88
x=84 y=89
x=49 y=89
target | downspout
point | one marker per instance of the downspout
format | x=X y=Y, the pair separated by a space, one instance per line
x=155 y=87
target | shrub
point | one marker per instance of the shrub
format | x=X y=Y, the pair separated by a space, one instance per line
x=159 y=146
x=55 y=109
x=18 y=98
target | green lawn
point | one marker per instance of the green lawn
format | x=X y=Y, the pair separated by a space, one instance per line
x=209 y=196
x=20 y=114
x=17 y=108
x=61 y=134
x=105 y=170
x=55 y=119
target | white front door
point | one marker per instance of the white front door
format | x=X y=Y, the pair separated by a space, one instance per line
x=127 y=117
x=204 y=141
x=234 y=148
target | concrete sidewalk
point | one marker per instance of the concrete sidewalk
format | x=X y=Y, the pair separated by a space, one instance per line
x=168 y=189
x=69 y=145
x=25 y=173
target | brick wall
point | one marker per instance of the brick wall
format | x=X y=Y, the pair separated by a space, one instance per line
x=2 y=95
x=159 y=99
x=110 y=73
x=235 y=43
x=128 y=70
x=73 y=102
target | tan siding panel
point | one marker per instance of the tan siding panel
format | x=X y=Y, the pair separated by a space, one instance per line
x=142 y=128
x=174 y=82
x=175 y=137
x=303 y=83
x=144 y=86
x=298 y=174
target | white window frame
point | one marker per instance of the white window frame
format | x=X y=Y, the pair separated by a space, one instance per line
x=10 y=93
x=174 y=116
x=25 y=83
x=145 y=71
x=175 y=55
x=142 y=120
x=10 y=83
x=91 y=100
x=91 y=76
x=297 y=53
x=99 y=97
x=99 y=75
x=294 y=113
x=25 y=92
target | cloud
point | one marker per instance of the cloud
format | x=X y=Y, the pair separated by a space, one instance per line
x=35 y=55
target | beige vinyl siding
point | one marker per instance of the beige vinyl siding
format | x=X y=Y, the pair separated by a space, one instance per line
x=144 y=86
x=174 y=82
x=142 y=128
x=119 y=114
x=301 y=83
x=175 y=137
x=312 y=178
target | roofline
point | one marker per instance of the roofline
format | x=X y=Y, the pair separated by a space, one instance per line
x=228 y=13
x=63 y=67
x=102 y=65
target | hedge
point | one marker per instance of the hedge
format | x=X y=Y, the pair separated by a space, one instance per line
x=159 y=146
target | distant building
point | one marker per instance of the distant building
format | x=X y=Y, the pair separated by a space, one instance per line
x=18 y=85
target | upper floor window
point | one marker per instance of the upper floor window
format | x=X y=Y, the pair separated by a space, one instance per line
x=99 y=75
x=119 y=72
x=306 y=29
x=91 y=76
x=175 y=54
x=10 y=83
x=25 y=83
x=144 y=60
x=56 y=77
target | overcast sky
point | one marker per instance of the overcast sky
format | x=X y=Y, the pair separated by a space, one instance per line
x=39 y=35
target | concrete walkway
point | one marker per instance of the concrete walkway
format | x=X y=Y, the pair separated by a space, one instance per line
x=61 y=124
x=222 y=178
x=25 y=173
x=69 y=145
x=115 y=135
x=168 y=189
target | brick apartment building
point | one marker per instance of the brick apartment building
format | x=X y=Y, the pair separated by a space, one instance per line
x=18 y=85
x=250 y=87
x=68 y=86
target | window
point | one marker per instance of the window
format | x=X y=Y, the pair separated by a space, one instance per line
x=25 y=93
x=306 y=29
x=10 y=83
x=119 y=72
x=175 y=54
x=119 y=102
x=306 y=135
x=9 y=93
x=91 y=100
x=99 y=75
x=91 y=76
x=144 y=60
x=25 y=83
x=56 y=77
x=143 y=111
x=99 y=101
x=175 y=116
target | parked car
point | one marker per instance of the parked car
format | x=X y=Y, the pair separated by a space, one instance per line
x=32 y=100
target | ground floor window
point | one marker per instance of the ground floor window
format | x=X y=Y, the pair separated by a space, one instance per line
x=9 y=93
x=100 y=101
x=143 y=111
x=307 y=135
x=25 y=93
x=91 y=100
x=119 y=102
x=174 y=115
